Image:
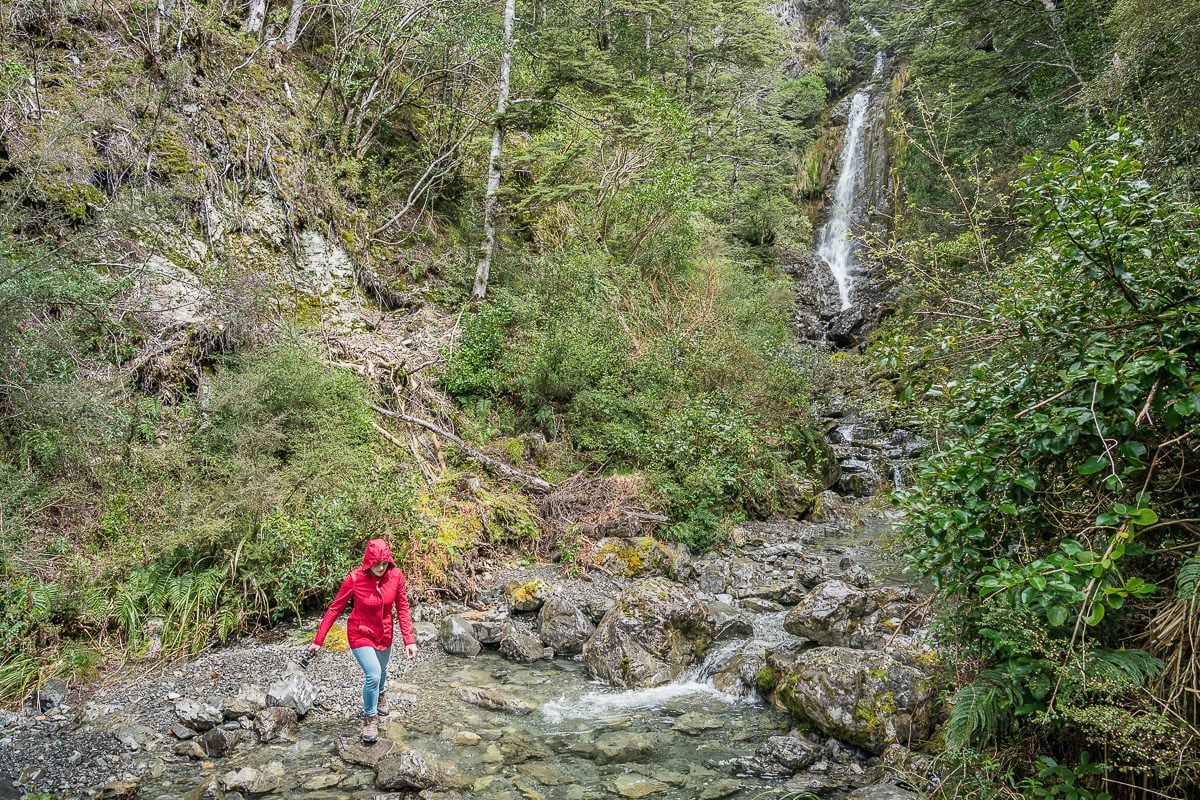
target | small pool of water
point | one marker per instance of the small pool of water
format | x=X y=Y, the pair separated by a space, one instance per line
x=584 y=740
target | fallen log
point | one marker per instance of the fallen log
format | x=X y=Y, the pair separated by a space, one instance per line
x=475 y=454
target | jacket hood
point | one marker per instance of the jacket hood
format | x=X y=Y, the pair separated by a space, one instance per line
x=377 y=550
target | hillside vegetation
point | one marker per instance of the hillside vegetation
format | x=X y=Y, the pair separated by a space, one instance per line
x=228 y=231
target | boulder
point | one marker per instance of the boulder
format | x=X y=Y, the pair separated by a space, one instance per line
x=493 y=699
x=277 y=725
x=457 y=637
x=293 y=691
x=643 y=557
x=864 y=697
x=199 y=716
x=563 y=625
x=426 y=632
x=527 y=596
x=518 y=644
x=832 y=614
x=489 y=628
x=780 y=757
x=269 y=778
x=49 y=695
x=405 y=769
x=654 y=632
x=248 y=701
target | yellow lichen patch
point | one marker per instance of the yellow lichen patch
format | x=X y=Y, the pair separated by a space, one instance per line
x=525 y=592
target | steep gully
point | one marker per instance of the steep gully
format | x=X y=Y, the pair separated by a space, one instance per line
x=548 y=730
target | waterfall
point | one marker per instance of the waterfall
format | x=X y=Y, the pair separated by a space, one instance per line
x=836 y=244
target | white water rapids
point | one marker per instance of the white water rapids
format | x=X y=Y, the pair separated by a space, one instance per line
x=837 y=245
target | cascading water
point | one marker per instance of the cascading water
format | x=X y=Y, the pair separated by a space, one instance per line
x=836 y=245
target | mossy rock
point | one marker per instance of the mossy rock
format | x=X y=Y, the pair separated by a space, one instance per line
x=528 y=596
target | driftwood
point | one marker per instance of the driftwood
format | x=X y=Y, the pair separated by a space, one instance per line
x=494 y=464
x=600 y=507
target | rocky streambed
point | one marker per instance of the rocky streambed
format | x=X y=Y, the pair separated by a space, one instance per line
x=778 y=666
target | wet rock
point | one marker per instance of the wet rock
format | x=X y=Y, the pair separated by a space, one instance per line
x=209 y=790
x=519 y=745
x=634 y=786
x=655 y=631
x=881 y=791
x=694 y=723
x=489 y=628
x=457 y=637
x=220 y=742
x=192 y=748
x=729 y=623
x=269 y=778
x=521 y=646
x=277 y=725
x=294 y=691
x=717 y=790
x=322 y=780
x=563 y=625
x=780 y=757
x=199 y=716
x=248 y=701
x=493 y=699
x=49 y=695
x=864 y=697
x=620 y=747
x=353 y=750
x=466 y=739
x=831 y=614
x=526 y=596
x=406 y=769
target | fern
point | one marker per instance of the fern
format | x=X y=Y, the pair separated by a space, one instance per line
x=1187 y=582
x=1121 y=668
x=981 y=710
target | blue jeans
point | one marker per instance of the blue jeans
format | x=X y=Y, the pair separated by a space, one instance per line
x=374 y=665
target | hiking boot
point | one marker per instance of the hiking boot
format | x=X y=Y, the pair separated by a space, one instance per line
x=370 y=732
x=382 y=705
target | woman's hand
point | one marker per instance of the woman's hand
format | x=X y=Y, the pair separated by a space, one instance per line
x=314 y=647
x=410 y=651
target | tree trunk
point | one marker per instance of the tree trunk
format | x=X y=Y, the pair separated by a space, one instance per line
x=490 y=201
x=293 y=25
x=256 y=17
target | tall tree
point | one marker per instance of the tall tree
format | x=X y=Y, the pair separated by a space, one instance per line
x=491 y=201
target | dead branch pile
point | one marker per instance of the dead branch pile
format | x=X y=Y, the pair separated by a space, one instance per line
x=600 y=507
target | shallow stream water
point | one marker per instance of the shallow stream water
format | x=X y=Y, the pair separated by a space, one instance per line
x=583 y=741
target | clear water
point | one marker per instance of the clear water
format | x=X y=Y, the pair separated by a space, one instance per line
x=584 y=741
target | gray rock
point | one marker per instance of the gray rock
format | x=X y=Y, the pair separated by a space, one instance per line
x=192 y=748
x=137 y=737
x=717 y=790
x=596 y=605
x=220 y=742
x=354 y=750
x=49 y=695
x=518 y=644
x=406 y=769
x=490 y=629
x=881 y=791
x=864 y=697
x=621 y=747
x=831 y=614
x=493 y=699
x=633 y=785
x=248 y=701
x=457 y=637
x=426 y=632
x=277 y=725
x=294 y=691
x=527 y=596
x=729 y=623
x=654 y=632
x=563 y=625
x=780 y=757
x=269 y=778
x=197 y=715
x=181 y=731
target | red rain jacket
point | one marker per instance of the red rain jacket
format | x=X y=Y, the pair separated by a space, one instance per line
x=370 y=623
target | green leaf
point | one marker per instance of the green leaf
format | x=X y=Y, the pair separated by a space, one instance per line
x=1093 y=465
x=1095 y=615
x=1056 y=615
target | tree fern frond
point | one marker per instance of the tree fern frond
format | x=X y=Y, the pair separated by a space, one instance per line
x=979 y=712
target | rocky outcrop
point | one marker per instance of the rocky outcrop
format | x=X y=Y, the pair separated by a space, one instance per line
x=406 y=769
x=655 y=631
x=864 y=697
x=518 y=644
x=780 y=757
x=199 y=716
x=293 y=691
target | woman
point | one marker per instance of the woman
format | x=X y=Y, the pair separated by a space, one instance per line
x=375 y=590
